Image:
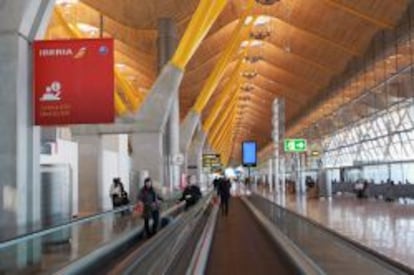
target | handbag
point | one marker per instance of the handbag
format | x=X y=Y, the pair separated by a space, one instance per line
x=117 y=200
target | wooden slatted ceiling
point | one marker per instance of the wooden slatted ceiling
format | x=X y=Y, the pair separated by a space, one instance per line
x=144 y=14
x=304 y=52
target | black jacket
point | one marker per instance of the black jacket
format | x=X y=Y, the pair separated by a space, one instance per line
x=224 y=188
x=150 y=199
x=191 y=195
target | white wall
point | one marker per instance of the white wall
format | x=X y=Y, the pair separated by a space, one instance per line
x=124 y=162
x=66 y=152
x=115 y=164
x=110 y=169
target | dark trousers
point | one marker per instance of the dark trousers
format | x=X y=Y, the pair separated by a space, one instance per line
x=224 y=204
x=115 y=201
x=155 y=215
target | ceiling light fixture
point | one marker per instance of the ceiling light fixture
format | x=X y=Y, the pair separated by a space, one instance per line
x=91 y=30
x=246 y=87
x=262 y=28
x=252 y=58
x=262 y=20
x=251 y=43
x=267 y=2
x=120 y=66
x=66 y=2
x=259 y=34
x=249 y=74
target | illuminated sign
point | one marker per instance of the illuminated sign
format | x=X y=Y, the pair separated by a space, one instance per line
x=295 y=145
x=249 y=153
x=212 y=162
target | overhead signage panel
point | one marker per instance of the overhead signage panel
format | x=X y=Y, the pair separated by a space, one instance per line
x=73 y=81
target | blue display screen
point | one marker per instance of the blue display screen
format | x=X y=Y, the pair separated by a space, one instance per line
x=249 y=151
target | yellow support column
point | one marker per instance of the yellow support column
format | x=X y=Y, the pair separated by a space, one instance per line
x=224 y=96
x=70 y=28
x=226 y=149
x=229 y=140
x=74 y=32
x=120 y=107
x=241 y=32
x=203 y=18
x=216 y=131
x=135 y=99
x=219 y=142
x=229 y=129
x=226 y=114
x=226 y=128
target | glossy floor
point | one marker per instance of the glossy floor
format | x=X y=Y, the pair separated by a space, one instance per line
x=49 y=253
x=386 y=227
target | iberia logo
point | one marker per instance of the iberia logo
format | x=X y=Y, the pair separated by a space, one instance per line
x=63 y=52
x=81 y=53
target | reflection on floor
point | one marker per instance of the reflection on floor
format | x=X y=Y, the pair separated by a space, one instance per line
x=49 y=253
x=387 y=227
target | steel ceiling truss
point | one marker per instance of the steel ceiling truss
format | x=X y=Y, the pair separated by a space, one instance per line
x=386 y=136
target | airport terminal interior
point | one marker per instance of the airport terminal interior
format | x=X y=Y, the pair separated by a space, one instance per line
x=207 y=137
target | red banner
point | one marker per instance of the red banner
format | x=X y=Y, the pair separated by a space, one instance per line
x=74 y=81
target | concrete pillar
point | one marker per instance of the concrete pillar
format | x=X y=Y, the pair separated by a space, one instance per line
x=147 y=157
x=277 y=172
x=174 y=144
x=278 y=132
x=195 y=153
x=302 y=173
x=296 y=160
x=149 y=145
x=187 y=129
x=328 y=183
x=324 y=184
x=283 y=179
x=90 y=173
x=20 y=23
x=167 y=43
x=270 y=174
x=101 y=158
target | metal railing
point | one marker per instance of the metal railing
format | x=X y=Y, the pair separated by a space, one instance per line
x=158 y=254
x=330 y=251
x=53 y=248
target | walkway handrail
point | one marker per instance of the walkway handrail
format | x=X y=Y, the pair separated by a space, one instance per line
x=79 y=265
x=58 y=227
x=305 y=264
x=376 y=256
x=156 y=254
x=42 y=232
x=201 y=253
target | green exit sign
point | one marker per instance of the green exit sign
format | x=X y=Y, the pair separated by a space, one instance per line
x=295 y=145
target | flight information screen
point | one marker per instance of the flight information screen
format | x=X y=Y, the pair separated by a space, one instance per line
x=249 y=153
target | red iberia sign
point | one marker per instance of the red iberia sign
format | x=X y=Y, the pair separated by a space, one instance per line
x=74 y=81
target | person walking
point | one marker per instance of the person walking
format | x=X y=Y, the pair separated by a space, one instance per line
x=118 y=194
x=224 y=192
x=191 y=193
x=150 y=202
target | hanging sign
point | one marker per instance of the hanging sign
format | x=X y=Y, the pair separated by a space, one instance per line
x=249 y=153
x=295 y=145
x=73 y=81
